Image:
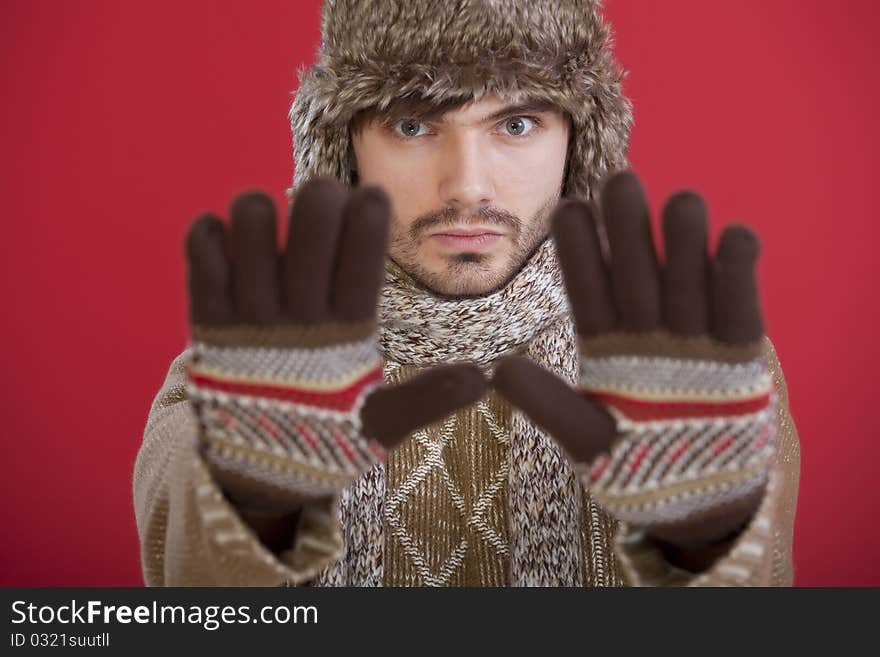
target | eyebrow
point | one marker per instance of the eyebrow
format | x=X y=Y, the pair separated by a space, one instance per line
x=525 y=107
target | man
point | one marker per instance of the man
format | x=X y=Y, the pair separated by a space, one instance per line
x=336 y=424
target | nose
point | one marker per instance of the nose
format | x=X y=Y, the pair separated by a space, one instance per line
x=466 y=183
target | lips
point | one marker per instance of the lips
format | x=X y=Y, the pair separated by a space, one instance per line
x=467 y=239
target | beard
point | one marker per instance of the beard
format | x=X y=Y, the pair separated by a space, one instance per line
x=468 y=274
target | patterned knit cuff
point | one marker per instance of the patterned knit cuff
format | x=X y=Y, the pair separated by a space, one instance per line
x=287 y=417
x=694 y=434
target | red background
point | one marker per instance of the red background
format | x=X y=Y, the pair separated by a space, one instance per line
x=122 y=121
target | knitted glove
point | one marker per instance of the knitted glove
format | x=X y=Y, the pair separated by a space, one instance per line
x=284 y=370
x=673 y=429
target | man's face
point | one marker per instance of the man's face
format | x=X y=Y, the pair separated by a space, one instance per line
x=472 y=190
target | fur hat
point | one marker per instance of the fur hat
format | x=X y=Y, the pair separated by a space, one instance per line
x=374 y=52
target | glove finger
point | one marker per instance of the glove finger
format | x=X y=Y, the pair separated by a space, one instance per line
x=210 y=300
x=360 y=260
x=255 y=281
x=586 y=277
x=312 y=235
x=635 y=276
x=686 y=276
x=736 y=309
x=391 y=414
x=583 y=427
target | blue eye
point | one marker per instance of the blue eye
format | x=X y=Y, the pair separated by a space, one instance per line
x=408 y=128
x=517 y=126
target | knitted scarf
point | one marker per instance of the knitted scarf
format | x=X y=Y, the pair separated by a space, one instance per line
x=545 y=501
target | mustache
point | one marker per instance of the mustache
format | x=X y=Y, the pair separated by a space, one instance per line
x=452 y=217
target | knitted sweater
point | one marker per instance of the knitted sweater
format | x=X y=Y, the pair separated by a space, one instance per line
x=443 y=513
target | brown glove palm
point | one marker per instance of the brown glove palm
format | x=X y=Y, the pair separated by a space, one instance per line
x=284 y=369
x=673 y=423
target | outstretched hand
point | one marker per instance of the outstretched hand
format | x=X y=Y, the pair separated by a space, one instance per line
x=672 y=426
x=285 y=371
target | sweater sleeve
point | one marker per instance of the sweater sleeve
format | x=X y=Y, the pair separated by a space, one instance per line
x=190 y=534
x=761 y=555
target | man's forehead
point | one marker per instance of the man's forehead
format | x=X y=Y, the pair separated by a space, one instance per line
x=489 y=109
x=465 y=110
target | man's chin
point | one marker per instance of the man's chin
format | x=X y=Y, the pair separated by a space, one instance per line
x=469 y=275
